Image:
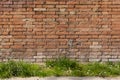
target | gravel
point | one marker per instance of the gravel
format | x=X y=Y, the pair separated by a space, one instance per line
x=66 y=78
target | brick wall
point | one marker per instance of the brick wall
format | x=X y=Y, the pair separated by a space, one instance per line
x=36 y=30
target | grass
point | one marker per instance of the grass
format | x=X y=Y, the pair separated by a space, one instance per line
x=58 y=67
x=18 y=69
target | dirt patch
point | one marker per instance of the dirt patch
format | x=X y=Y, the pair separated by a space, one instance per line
x=66 y=78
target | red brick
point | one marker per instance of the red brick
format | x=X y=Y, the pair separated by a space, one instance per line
x=52 y=36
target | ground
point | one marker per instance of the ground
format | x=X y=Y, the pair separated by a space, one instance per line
x=66 y=78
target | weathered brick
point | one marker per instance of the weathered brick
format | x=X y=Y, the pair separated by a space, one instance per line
x=94 y=60
x=39 y=9
x=49 y=2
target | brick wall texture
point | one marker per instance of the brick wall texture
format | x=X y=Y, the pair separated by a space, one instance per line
x=36 y=30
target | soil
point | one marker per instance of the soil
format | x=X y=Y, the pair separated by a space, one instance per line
x=66 y=78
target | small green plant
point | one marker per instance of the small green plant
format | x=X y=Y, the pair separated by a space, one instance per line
x=63 y=63
x=64 y=66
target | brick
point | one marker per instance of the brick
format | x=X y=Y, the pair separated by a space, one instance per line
x=48 y=6
x=39 y=9
x=52 y=36
x=49 y=13
x=62 y=10
x=39 y=60
x=72 y=12
x=39 y=37
x=114 y=60
x=71 y=36
x=16 y=46
x=61 y=6
x=52 y=9
x=23 y=12
x=7 y=43
x=39 y=16
x=5 y=16
x=49 y=2
x=19 y=16
x=94 y=47
x=20 y=37
x=62 y=13
x=94 y=60
x=72 y=2
x=39 y=57
x=5 y=47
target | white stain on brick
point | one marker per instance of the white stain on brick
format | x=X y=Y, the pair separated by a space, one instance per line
x=95 y=45
x=29 y=22
x=114 y=60
x=72 y=12
x=40 y=9
x=39 y=57
x=92 y=60
x=62 y=10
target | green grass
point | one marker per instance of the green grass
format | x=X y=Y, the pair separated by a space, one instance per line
x=18 y=69
x=58 y=67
